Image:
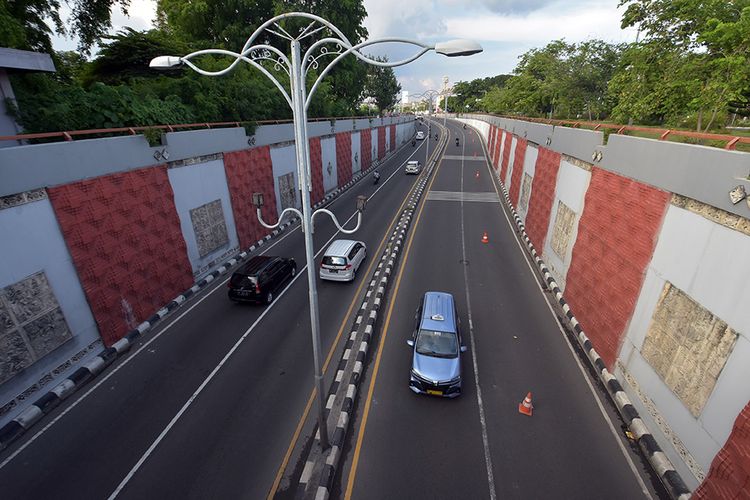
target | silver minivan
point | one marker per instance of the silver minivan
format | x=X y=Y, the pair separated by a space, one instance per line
x=437 y=347
x=342 y=260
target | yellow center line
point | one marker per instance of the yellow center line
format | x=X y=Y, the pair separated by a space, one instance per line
x=332 y=350
x=386 y=324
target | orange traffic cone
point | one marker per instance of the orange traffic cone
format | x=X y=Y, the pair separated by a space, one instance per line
x=485 y=238
x=525 y=406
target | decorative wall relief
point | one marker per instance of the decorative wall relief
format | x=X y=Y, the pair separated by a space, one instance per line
x=31 y=324
x=688 y=346
x=563 y=229
x=525 y=192
x=210 y=227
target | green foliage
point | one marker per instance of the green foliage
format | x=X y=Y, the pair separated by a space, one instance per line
x=697 y=61
x=127 y=54
x=560 y=80
x=153 y=136
x=471 y=93
x=382 y=85
x=23 y=23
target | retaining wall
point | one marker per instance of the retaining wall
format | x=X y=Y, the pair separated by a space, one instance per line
x=652 y=257
x=99 y=236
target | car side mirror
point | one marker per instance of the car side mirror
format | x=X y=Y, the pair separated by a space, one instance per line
x=410 y=343
x=463 y=348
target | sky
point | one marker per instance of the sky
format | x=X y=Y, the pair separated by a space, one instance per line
x=505 y=29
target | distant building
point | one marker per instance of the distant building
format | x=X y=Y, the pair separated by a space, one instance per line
x=16 y=61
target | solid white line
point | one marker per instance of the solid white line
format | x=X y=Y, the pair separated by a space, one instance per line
x=524 y=252
x=130 y=358
x=482 y=418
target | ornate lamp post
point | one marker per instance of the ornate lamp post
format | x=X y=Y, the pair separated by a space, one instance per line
x=332 y=46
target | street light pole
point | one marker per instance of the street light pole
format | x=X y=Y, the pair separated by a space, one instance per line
x=297 y=70
x=303 y=158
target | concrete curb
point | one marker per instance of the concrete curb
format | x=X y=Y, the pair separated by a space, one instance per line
x=49 y=401
x=656 y=457
x=321 y=466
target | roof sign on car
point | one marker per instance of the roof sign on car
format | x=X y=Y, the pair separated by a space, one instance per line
x=437 y=317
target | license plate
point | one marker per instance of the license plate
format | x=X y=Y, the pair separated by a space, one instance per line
x=434 y=393
x=243 y=293
x=334 y=271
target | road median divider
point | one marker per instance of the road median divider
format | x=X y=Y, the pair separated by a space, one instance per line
x=320 y=469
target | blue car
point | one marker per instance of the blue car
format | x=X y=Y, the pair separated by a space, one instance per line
x=437 y=347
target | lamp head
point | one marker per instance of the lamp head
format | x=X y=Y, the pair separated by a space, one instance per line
x=459 y=47
x=165 y=62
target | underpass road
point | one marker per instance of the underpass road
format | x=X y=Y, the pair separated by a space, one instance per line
x=405 y=445
x=231 y=439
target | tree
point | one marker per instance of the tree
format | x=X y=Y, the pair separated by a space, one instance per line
x=560 y=80
x=471 y=93
x=706 y=43
x=228 y=25
x=127 y=54
x=382 y=85
x=23 y=23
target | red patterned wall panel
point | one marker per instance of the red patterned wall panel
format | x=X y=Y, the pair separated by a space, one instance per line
x=729 y=476
x=124 y=235
x=617 y=233
x=499 y=149
x=505 y=160
x=381 y=143
x=542 y=196
x=365 y=149
x=393 y=137
x=516 y=175
x=250 y=171
x=491 y=143
x=316 y=171
x=343 y=157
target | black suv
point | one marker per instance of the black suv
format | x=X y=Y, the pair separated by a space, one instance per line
x=260 y=278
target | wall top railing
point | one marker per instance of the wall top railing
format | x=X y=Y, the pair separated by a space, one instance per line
x=663 y=134
x=70 y=135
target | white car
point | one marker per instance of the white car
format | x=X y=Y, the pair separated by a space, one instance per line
x=342 y=260
x=420 y=135
x=413 y=167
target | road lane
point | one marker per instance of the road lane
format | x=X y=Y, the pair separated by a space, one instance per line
x=422 y=447
x=90 y=450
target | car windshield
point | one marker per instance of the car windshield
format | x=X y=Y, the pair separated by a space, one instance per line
x=334 y=261
x=438 y=344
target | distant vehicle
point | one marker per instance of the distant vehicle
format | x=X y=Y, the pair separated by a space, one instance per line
x=420 y=135
x=413 y=167
x=342 y=260
x=437 y=348
x=260 y=278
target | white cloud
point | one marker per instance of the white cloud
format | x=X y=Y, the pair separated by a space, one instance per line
x=541 y=26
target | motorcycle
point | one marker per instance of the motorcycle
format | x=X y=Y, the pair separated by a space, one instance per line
x=413 y=142
x=456 y=141
x=376 y=176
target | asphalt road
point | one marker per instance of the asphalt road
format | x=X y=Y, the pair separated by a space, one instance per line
x=205 y=406
x=404 y=445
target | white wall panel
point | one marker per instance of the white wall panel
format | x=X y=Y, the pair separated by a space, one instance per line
x=193 y=186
